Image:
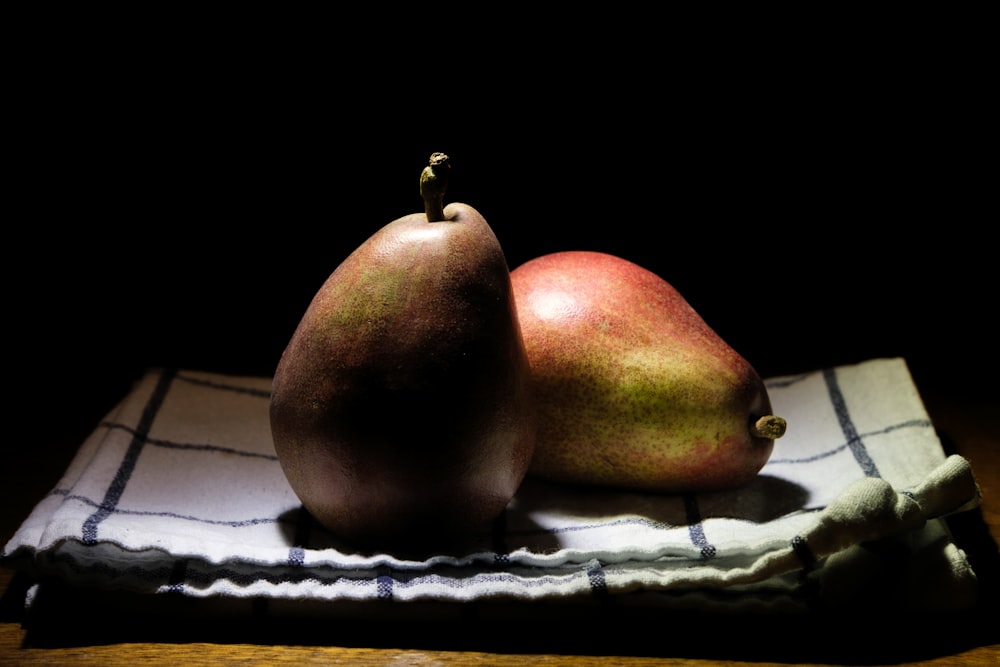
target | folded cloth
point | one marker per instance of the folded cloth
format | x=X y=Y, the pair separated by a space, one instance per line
x=179 y=490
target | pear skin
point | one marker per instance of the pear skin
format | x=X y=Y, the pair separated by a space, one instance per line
x=400 y=409
x=633 y=389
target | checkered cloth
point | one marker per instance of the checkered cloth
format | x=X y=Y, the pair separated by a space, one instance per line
x=179 y=490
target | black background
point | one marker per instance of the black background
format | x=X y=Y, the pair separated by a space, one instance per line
x=179 y=203
x=820 y=187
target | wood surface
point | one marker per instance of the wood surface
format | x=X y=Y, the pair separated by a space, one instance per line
x=968 y=426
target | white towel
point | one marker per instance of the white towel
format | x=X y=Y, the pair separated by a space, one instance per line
x=179 y=491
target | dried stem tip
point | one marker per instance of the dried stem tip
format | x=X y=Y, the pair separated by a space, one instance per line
x=769 y=426
x=433 y=184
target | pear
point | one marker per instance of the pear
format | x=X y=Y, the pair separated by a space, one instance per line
x=401 y=411
x=634 y=390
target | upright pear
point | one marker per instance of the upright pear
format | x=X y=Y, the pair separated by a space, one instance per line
x=634 y=390
x=400 y=409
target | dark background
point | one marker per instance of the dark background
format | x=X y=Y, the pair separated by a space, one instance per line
x=179 y=205
x=820 y=187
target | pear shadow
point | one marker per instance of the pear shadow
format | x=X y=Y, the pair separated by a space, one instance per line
x=300 y=529
x=288 y=524
x=764 y=499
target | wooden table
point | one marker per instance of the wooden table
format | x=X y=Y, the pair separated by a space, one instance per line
x=969 y=426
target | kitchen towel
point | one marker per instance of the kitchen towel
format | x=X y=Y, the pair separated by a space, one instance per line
x=178 y=490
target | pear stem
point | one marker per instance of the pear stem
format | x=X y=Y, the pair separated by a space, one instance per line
x=768 y=426
x=433 y=184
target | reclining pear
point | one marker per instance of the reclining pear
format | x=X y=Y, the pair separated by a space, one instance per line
x=634 y=390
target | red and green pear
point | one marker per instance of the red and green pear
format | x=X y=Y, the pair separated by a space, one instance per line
x=633 y=389
x=401 y=411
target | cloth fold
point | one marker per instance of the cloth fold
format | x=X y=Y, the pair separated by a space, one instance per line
x=178 y=490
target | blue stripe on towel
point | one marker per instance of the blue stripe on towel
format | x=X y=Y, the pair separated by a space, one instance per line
x=383 y=587
x=695 y=529
x=598 y=582
x=260 y=393
x=169 y=444
x=909 y=424
x=235 y=523
x=854 y=440
x=117 y=487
